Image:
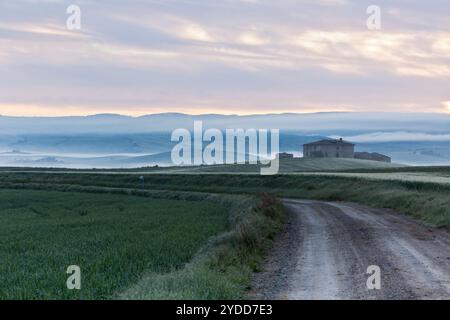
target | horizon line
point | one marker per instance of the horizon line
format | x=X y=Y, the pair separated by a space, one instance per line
x=216 y=114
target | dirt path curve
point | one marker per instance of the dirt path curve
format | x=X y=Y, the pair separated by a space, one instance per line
x=326 y=248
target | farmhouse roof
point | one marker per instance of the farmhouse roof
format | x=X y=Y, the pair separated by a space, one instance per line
x=338 y=142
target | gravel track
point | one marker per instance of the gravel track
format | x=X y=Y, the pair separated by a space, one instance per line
x=326 y=248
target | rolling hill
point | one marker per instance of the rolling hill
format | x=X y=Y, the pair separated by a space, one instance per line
x=291 y=166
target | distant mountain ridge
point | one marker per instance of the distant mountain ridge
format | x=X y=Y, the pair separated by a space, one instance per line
x=310 y=123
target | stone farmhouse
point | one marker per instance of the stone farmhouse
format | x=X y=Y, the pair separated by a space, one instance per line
x=339 y=148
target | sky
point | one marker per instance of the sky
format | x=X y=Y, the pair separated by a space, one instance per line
x=140 y=57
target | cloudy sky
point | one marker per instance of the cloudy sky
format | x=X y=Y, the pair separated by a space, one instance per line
x=227 y=56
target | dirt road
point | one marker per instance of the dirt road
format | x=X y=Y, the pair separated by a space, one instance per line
x=326 y=248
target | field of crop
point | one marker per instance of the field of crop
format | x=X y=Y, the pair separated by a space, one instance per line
x=113 y=238
x=131 y=244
